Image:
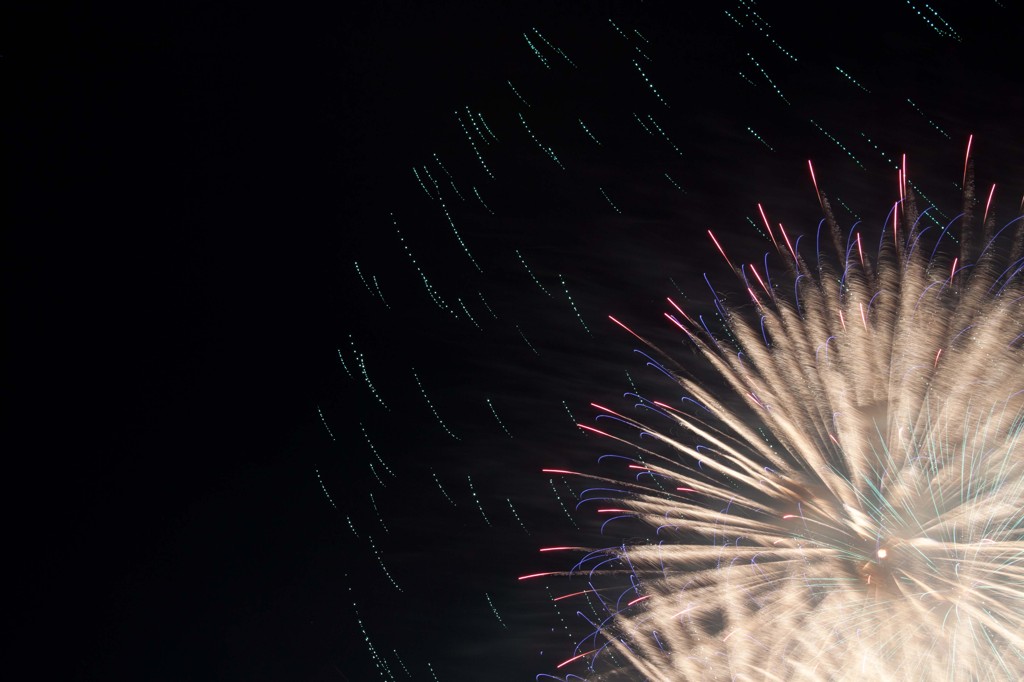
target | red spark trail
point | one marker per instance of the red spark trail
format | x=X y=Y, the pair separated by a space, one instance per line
x=626 y=328
x=760 y=281
x=765 y=219
x=988 y=203
x=720 y=249
x=600 y=433
x=967 y=157
x=575 y=658
x=566 y=596
x=786 y=237
x=815 y=181
x=688 y=318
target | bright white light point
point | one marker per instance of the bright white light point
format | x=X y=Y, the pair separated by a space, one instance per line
x=882 y=554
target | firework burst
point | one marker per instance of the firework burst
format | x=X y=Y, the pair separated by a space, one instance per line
x=853 y=505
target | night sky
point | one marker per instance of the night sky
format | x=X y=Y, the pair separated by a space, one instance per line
x=301 y=298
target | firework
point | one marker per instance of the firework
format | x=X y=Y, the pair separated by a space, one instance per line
x=571 y=154
x=852 y=507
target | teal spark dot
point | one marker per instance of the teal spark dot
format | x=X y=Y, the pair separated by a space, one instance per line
x=481 y=200
x=544 y=148
x=573 y=304
x=496 y=417
x=423 y=392
x=674 y=183
x=563 y=55
x=324 y=488
x=642 y=124
x=650 y=84
x=932 y=123
x=536 y=52
x=945 y=29
x=484 y=301
x=380 y=560
x=402 y=663
x=344 y=365
x=323 y=420
x=476 y=150
x=476 y=128
x=476 y=499
x=589 y=134
x=359 y=272
x=609 y=200
x=764 y=73
x=618 y=30
x=562 y=504
x=530 y=272
x=380 y=293
x=528 y=344
x=438 y=301
x=759 y=138
x=494 y=610
x=853 y=80
x=838 y=144
x=380 y=517
x=664 y=135
x=369 y=443
x=516 y=514
x=466 y=310
x=441 y=488
x=422 y=184
x=483 y=122
x=516 y=93
x=361 y=363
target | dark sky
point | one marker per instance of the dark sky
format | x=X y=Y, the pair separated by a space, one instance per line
x=192 y=188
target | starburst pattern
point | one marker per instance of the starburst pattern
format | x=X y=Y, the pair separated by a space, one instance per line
x=853 y=506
